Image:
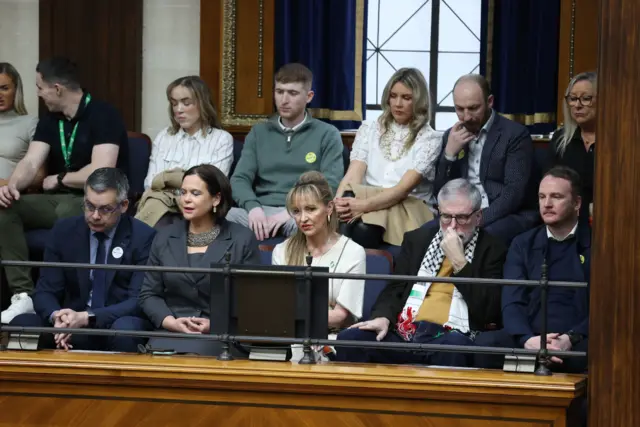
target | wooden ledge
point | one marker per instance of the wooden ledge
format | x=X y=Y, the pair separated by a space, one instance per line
x=184 y=372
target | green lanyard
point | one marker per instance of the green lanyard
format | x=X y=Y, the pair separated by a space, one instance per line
x=67 y=149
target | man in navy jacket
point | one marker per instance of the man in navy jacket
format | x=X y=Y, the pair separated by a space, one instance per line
x=495 y=154
x=98 y=298
x=565 y=246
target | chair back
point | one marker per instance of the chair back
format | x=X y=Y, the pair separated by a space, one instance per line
x=266 y=254
x=237 y=152
x=139 y=154
x=378 y=262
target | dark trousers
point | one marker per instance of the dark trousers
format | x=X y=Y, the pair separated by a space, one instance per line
x=91 y=342
x=366 y=235
x=369 y=355
x=500 y=338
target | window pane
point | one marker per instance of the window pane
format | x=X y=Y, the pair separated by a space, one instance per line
x=445 y=120
x=459 y=33
x=450 y=67
x=409 y=59
x=415 y=33
x=373 y=115
x=372 y=22
x=392 y=17
x=372 y=83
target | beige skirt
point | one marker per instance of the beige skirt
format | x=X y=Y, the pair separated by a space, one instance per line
x=409 y=214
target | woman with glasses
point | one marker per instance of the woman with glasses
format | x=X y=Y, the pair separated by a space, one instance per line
x=574 y=144
x=180 y=302
x=388 y=186
x=16 y=126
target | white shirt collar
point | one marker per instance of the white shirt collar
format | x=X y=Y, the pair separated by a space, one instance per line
x=568 y=236
x=296 y=127
x=199 y=136
x=487 y=126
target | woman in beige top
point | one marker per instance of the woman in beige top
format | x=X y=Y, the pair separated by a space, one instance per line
x=16 y=126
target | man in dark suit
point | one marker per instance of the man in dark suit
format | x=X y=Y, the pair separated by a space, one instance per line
x=101 y=299
x=437 y=313
x=565 y=246
x=495 y=154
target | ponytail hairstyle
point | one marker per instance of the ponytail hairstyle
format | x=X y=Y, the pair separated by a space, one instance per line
x=311 y=185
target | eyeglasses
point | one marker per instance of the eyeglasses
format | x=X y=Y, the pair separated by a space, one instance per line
x=102 y=210
x=460 y=219
x=584 y=100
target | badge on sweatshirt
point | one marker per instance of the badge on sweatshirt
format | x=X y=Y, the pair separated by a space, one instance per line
x=461 y=155
x=117 y=252
x=310 y=157
x=581 y=259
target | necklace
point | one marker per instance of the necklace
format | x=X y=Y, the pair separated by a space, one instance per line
x=386 y=143
x=202 y=239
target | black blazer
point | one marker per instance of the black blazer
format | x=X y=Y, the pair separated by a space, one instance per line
x=186 y=294
x=505 y=169
x=483 y=301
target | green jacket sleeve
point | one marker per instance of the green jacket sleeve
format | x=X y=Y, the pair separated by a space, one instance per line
x=245 y=174
x=331 y=163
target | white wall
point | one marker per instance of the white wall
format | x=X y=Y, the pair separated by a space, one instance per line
x=170 y=49
x=19 y=20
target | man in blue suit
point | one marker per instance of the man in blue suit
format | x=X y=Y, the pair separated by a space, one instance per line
x=493 y=153
x=564 y=244
x=98 y=298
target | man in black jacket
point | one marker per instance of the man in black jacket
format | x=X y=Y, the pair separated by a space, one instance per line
x=437 y=313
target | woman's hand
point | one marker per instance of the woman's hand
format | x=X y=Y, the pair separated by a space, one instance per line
x=182 y=325
x=350 y=208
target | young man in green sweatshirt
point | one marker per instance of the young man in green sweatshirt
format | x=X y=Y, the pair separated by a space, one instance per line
x=278 y=151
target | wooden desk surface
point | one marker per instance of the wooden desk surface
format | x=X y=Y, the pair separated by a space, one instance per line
x=150 y=382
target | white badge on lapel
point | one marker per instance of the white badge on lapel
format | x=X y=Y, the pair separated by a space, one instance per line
x=117 y=252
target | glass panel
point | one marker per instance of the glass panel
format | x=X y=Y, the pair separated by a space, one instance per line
x=384 y=74
x=450 y=67
x=373 y=115
x=392 y=16
x=469 y=12
x=415 y=34
x=448 y=101
x=454 y=36
x=409 y=59
x=372 y=22
x=445 y=120
x=372 y=83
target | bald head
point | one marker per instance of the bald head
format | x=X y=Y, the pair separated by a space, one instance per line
x=473 y=101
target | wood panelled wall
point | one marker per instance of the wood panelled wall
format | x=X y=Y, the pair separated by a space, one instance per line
x=578 y=44
x=236 y=59
x=614 y=369
x=104 y=37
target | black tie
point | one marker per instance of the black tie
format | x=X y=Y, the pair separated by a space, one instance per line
x=99 y=275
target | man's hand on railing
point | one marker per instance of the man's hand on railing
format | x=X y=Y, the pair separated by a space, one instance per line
x=533 y=343
x=379 y=325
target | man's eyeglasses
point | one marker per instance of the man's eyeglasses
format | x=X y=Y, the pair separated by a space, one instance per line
x=102 y=210
x=584 y=100
x=460 y=219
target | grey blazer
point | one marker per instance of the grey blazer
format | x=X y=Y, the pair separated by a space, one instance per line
x=186 y=294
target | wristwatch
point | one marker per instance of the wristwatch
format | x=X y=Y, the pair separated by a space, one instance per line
x=92 y=319
x=61 y=176
x=574 y=337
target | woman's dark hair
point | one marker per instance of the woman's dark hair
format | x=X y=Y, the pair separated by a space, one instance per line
x=217 y=182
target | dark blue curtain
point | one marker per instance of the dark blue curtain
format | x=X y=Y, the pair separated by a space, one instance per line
x=321 y=34
x=519 y=54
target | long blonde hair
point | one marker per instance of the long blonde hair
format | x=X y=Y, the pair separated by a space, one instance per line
x=202 y=96
x=570 y=124
x=415 y=81
x=312 y=185
x=18 y=102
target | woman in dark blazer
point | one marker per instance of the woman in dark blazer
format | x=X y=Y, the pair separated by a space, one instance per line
x=179 y=302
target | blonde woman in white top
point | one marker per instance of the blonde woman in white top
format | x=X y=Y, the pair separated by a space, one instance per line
x=388 y=187
x=16 y=126
x=310 y=204
x=195 y=137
